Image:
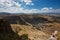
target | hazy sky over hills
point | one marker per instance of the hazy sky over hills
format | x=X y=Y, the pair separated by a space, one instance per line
x=30 y=6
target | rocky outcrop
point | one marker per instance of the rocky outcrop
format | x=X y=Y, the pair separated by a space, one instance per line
x=6 y=32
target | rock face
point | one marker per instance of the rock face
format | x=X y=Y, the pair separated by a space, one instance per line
x=6 y=32
x=53 y=36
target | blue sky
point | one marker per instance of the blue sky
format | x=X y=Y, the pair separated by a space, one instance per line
x=32 y=6
x=38 y=4
x=47 y=3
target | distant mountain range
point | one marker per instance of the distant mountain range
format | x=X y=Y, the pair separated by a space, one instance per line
x=52 y=14
x=7 y=14
x=3 y=13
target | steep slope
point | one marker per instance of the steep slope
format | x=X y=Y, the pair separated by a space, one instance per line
x=33 y=33
x=6 y=32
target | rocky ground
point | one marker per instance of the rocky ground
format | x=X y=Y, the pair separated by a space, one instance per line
x=30 y=27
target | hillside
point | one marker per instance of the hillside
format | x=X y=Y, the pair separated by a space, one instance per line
x=30 y=27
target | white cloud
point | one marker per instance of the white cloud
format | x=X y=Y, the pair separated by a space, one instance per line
x=22 y=10
x=15 y=7
x=2 y=0
x=12 y=10
x=31 y=11
x=9 y=3
x=18 y=10
x=32 y=3
x=27 y=2
x=46 y=10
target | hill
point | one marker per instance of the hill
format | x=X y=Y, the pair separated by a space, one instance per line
x=30 y=27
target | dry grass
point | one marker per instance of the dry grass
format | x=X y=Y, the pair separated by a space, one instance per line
x=32 y=32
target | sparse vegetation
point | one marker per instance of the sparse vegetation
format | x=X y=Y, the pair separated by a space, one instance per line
x=28 y=27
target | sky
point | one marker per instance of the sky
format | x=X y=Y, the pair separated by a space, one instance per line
x=30 y=6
